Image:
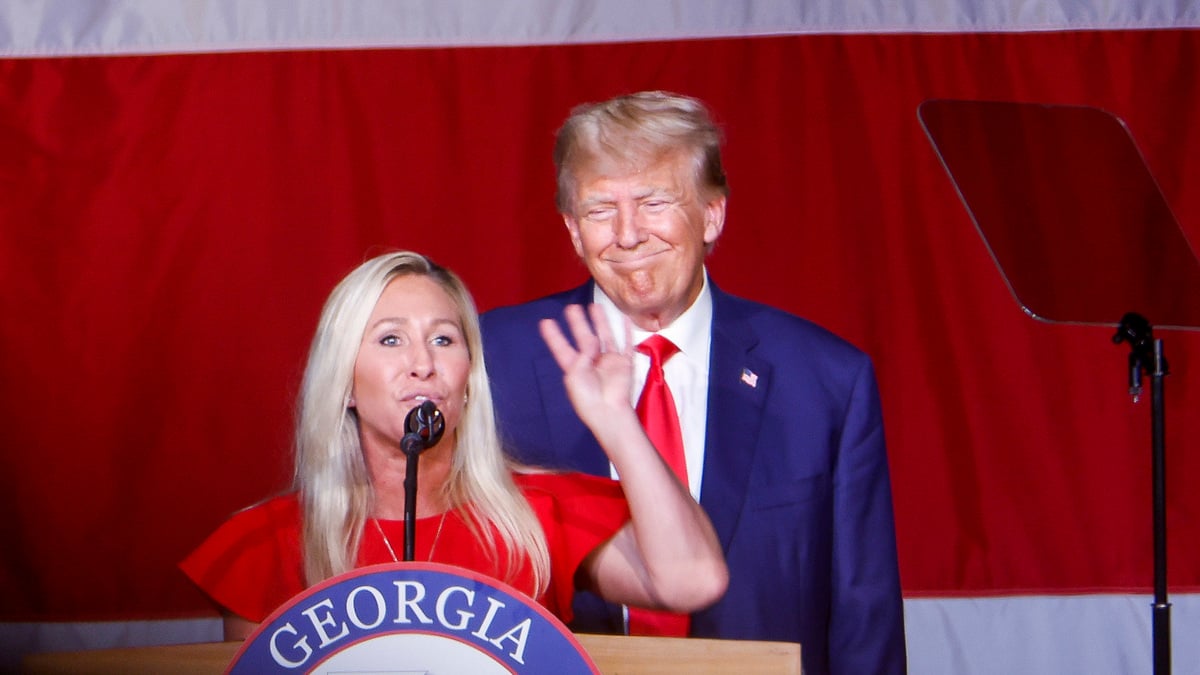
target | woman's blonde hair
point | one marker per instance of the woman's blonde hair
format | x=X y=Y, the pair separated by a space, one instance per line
x=331 y=476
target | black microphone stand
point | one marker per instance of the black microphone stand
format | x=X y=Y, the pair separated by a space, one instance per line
x=1146 y=353
x=423 y=428
x=412 y=444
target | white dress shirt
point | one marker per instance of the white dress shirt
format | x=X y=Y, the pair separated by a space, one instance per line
x=686 y=372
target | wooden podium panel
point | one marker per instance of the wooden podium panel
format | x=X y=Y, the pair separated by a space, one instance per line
x=613 y=654
x=197 y=659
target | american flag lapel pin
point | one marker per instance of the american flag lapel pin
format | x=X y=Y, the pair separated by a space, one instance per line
x=749 y=377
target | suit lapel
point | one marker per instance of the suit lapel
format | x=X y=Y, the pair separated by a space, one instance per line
x=738 y=384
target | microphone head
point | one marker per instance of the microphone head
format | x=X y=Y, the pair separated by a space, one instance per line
x=426 y=421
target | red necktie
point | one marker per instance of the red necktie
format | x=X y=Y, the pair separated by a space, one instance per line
x=656 y=410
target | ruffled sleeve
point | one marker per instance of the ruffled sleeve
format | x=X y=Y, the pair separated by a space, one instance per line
x=578 y=513
x=251 y=564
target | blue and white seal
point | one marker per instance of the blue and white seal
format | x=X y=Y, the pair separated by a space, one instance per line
x=415 y=619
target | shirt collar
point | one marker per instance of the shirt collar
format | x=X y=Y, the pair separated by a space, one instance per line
x=689 y=332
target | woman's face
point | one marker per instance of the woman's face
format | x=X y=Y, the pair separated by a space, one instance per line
x=413 y=350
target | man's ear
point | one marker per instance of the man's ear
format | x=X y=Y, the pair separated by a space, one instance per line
x=573 y=229
x=714 y=219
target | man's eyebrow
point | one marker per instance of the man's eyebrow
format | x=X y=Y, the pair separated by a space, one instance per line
x=637 y=193
x=654 y=191
x=593 y=200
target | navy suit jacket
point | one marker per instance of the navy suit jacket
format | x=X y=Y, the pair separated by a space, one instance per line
x=795 y=476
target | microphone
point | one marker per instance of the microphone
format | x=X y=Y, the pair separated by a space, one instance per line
x=423 y=428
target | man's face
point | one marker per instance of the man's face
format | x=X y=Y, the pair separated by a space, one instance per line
x=643 y=233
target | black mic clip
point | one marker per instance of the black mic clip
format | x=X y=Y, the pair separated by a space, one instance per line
x=423 y=428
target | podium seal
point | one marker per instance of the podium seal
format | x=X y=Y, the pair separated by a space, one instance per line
x=412 y=619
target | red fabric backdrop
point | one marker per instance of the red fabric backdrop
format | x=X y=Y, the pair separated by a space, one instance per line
x=170 y=225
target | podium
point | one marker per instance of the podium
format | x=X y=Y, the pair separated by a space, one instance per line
x=430 y=619
x=611 y=653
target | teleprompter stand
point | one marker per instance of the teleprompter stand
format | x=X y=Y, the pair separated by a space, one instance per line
x=1146 y=354
x=1081 y=234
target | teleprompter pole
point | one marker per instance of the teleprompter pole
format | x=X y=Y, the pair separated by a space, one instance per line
x=1146 y=353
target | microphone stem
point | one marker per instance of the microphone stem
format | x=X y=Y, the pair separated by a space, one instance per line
x=410 y=496
x=411 y=506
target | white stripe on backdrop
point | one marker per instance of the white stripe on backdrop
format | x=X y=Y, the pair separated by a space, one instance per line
x=68 y=27
x=1060 y=635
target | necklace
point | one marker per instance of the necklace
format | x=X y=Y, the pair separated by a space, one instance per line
x=388 y=543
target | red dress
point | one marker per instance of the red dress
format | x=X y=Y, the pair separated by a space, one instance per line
x=252 y=564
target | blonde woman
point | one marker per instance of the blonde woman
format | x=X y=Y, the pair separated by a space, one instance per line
x=400 y=330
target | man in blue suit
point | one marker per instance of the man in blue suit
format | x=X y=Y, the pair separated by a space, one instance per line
x=781 y=422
